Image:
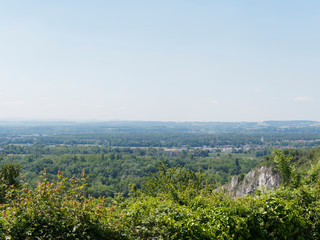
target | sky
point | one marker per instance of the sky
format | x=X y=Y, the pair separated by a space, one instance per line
x=168 y=60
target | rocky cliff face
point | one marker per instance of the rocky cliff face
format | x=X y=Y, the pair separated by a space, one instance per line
x=262 y=177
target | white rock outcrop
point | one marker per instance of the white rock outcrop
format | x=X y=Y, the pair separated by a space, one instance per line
x=261 y=178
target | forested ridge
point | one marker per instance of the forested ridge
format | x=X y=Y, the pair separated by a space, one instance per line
x=171 y=203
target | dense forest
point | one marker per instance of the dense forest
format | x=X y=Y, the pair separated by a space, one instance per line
x=173 y=203
x=111 y=170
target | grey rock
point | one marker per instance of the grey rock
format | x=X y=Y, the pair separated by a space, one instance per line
x=261 y=178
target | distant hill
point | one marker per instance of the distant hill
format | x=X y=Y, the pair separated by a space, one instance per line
x=67 y=127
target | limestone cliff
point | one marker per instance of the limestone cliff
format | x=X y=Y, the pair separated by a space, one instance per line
x=261 y=177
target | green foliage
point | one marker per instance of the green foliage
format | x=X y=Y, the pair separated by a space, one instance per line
x=284 y=165
x=8 y=179
x=174 y=203
x=52 y=211
x=174 y=182
x=111 y=170
x=9 y=174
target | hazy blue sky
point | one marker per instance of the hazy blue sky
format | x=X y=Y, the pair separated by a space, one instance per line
x=160 y=60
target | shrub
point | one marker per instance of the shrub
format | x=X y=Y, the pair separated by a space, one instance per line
x=54 y=210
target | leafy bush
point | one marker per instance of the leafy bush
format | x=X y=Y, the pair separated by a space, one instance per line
x=8 y=179
x=54 y=210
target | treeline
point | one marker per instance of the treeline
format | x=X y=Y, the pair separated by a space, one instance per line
x=173 y=203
